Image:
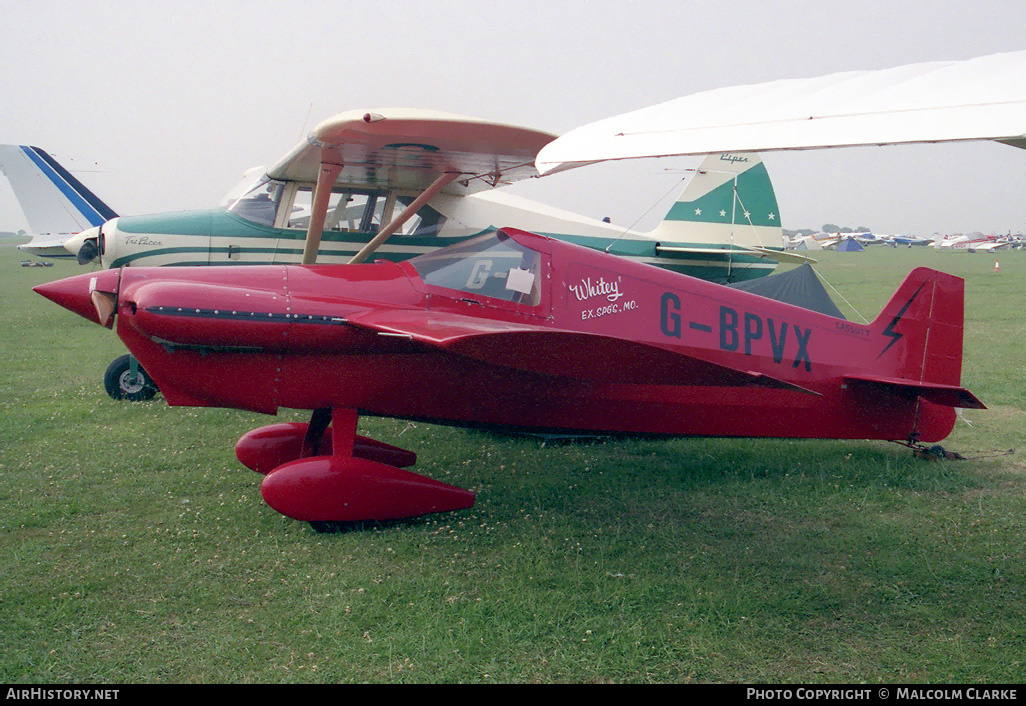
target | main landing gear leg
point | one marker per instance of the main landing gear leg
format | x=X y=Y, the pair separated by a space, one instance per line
x=326 y=475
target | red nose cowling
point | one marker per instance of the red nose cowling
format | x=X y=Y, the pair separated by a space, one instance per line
x=89 y=295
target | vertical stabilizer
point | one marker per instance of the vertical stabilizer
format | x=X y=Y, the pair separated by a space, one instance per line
x=55 y=203
x=730 y=200
x=918 y=352
x=921 y=329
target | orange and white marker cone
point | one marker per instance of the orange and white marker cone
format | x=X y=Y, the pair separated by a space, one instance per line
x=997 y=266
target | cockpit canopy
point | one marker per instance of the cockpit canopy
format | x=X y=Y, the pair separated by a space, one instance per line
x=492 y=265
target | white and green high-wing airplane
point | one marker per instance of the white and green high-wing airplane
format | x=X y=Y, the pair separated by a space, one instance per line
x=422 y=180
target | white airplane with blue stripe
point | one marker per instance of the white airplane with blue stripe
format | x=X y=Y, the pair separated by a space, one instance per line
x=55 y=203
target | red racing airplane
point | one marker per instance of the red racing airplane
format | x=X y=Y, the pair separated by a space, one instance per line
x=511 y=330
x=515 y=331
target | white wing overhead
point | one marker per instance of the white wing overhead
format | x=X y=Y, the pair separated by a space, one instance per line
x=409 y=149
x=977 y=99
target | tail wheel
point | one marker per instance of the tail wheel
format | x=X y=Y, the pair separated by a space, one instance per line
x=121 y=384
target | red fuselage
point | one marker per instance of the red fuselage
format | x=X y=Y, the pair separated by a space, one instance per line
x=580 y=342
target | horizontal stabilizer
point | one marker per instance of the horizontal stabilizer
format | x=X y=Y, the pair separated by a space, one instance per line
x=944 y=395
x=784 y=256
x=776 y=255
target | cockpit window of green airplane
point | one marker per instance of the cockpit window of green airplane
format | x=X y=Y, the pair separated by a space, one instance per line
x=348 y=210
x=356 y=210
x=427 y=221
x=260 y=204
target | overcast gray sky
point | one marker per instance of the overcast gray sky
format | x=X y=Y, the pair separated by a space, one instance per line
x=160 y=106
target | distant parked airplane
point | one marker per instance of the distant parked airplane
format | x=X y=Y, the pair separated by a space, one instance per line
x=55 y=203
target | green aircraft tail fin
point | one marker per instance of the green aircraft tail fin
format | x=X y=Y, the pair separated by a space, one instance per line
x=729 y=200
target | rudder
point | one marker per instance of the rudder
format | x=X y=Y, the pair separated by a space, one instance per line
x=920 y=329
x=919 y=338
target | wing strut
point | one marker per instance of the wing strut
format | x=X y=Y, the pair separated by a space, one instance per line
x=322 y=192
x=440 y=183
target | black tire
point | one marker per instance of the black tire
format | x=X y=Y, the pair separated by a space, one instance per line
x=117 y=380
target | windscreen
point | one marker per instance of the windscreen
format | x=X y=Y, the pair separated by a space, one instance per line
x=491 y=265
x=260 y=204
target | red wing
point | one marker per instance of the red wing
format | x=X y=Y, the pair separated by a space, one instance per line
x=557 y=352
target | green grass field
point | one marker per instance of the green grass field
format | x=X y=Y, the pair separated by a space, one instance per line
x=136 y=549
